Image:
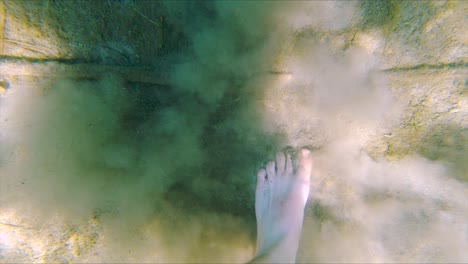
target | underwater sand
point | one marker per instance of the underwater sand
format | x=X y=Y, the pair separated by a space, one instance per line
x=141 y=143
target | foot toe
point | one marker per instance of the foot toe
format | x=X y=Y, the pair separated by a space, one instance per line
x=270 y=170
x=261 y=178
x=304 y=167
x=289 y=165
x=280 y=163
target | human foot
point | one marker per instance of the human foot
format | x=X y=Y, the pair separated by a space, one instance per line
x=280 y=199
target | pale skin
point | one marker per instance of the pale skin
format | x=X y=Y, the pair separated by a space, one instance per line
x=280 y=199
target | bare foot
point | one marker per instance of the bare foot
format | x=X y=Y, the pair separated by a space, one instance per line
x=280 y=200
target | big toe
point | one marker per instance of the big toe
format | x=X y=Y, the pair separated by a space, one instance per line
x=304 y=167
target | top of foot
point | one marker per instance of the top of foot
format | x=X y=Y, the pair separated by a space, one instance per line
x=281 y=195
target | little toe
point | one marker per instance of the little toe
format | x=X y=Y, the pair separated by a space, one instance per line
x=280 y=163
x=261 y=178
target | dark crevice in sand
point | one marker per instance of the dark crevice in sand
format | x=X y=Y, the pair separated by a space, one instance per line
x=425 y=66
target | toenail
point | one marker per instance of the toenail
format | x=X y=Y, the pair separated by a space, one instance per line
x=305 y=152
